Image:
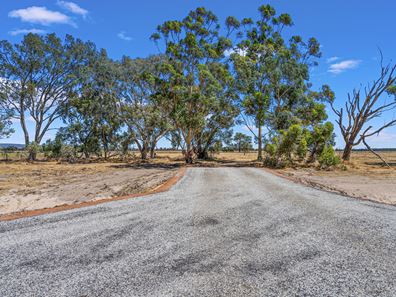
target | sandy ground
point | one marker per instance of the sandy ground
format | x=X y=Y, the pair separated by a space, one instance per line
x=43 y=185
x=363 y=177
x=372 y=187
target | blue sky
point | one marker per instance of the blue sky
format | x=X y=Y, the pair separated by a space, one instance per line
x=350 y=33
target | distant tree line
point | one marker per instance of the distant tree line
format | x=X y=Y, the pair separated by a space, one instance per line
x=207 y=78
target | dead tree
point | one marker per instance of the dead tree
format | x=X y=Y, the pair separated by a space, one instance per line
x=358 y=111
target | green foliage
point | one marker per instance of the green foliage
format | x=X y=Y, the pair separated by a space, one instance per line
x=328 y=157
x=92 y=113
x=296 y=142
x=5 y=125
x=318 y=138
x=38 y=76
x=286 y=145
x=192 y=93
x=302 y=148
x=273 y=74
x=52 y=148
x=242 y=142
x=195 y=80
x=392 y=90
x=142 y=110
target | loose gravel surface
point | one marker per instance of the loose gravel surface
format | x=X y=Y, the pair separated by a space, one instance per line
x=218 y=232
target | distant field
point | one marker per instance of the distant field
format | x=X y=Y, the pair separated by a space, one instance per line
x=362 y=160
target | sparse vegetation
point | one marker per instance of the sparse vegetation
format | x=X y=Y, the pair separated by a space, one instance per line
x=208 y=77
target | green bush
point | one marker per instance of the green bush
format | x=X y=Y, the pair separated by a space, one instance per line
x=52 y=149
x=328 y=157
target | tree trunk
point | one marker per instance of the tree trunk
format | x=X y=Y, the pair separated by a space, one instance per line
x=32 y=156
x=143 y=154
x=202 y=154
x=152 y=153
x=311 y=158
x=346 y=155
x=144 y=151
x=378 y=155
x=152 y=150
x=260 y=145
x=189 y=153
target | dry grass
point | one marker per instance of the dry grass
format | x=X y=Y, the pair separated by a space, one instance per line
x=366 y=162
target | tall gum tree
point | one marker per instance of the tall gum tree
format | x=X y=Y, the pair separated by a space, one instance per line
x=271 y=74
x=191 y=81
x=142 y=110
x=38 y=76
x=92 y=113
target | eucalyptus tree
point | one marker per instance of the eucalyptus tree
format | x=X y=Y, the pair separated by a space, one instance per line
x=242 y=142
x=5 y=124
x=272 y=73
x=221 y=113
x=92 y=114
x=193 y=75
x=38 y=76
x=141 y=109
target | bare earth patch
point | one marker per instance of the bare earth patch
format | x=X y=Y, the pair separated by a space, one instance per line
x=43 y=185
x=365 y=178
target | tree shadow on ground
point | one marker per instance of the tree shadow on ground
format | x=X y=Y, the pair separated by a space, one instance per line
x=381 y=164
x=148 y=165
x=198 y=163
x=226 y=163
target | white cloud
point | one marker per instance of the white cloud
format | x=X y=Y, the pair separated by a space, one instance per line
x=123 y=35
x=26 y=31
x=73 y=8
x=239 y=51
x=383 y=140
x=332 y=59
x=40 y=15
x=343 y=66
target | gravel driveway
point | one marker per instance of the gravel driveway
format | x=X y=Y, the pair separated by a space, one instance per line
x=218 y=232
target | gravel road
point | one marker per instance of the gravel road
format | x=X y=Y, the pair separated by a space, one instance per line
x=218 y=232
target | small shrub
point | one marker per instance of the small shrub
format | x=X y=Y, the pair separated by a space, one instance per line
x=328 y=157
x=68 y=153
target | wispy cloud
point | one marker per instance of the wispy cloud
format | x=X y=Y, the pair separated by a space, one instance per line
x=229 y=52
x=383 y=139
x=26 y=31
x=332 y=59
x=340 y=67
x=73 y=8
x=123 y=35
x=40 y=15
